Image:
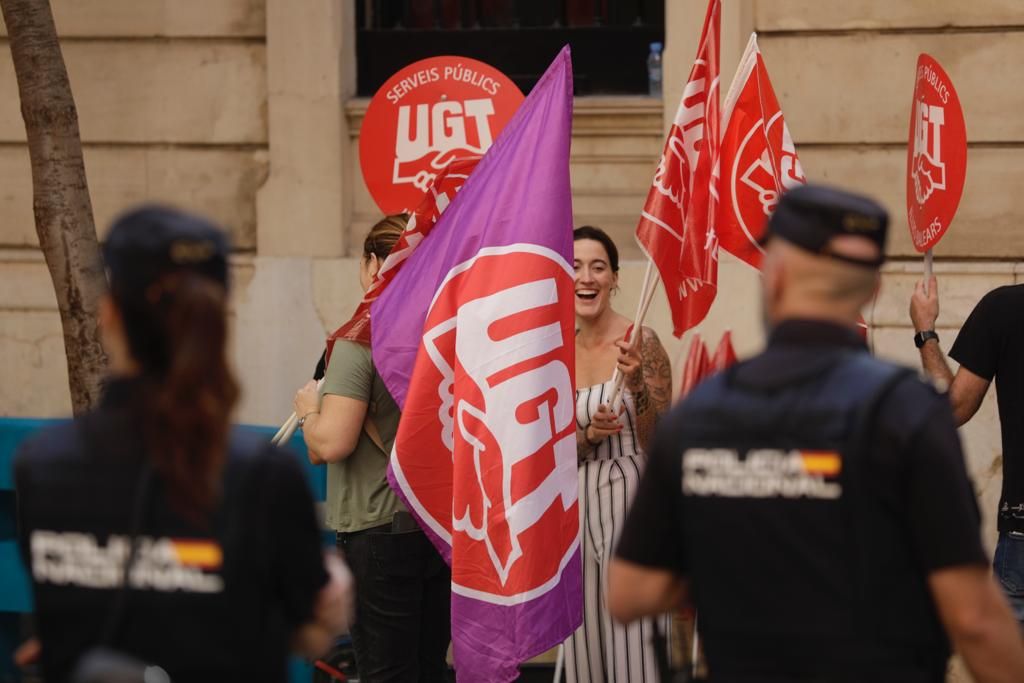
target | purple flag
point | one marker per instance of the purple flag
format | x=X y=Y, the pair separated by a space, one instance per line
x=475 y=340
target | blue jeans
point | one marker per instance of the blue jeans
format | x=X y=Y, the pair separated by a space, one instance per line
x=1008 y=565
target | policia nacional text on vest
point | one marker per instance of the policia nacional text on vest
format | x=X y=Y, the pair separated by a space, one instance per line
x=777 y=484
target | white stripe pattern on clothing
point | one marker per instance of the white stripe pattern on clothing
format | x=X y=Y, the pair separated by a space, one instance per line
x=601 y=650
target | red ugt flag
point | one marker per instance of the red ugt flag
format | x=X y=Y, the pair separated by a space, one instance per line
x=438 y=197
x=696 y=367
x=724 y=356
x=676 y=227
x=758 y=161
x=474 y=340
x=758 y=158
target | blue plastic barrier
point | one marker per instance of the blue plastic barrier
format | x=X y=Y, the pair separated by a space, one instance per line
x=15 y=588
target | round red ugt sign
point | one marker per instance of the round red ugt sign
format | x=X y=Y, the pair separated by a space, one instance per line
x=936 y=155
x=427 y=114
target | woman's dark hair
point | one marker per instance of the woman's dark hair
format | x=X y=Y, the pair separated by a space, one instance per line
x=383 y=236
x=189 y=392
x=169 y=279
x=589 y=232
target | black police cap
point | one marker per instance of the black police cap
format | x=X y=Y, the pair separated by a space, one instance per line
x=150 y=242
x=809 y=216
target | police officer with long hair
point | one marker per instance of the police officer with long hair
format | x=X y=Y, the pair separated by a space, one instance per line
x=151 y=530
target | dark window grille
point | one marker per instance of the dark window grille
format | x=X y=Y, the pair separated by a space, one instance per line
x=610 y=38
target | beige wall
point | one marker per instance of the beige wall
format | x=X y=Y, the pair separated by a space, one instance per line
x=244 y=110
x=172 y=98
x=855 y=122
x=843 y=73
x=616 y=144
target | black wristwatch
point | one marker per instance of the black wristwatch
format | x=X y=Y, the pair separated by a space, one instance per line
x=923 y=336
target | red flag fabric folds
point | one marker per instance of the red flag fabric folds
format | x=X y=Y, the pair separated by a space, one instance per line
x=438 y=197
x=697 y=366
x=676 y=227
x=758 y=159
x=474 y=340
x=724 y=355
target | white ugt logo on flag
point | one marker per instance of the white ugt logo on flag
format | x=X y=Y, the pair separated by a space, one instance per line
x=929 y=169
x=521 y=410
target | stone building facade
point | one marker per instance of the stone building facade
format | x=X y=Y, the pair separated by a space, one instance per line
x=245 y=110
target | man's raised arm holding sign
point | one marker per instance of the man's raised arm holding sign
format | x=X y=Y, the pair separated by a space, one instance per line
x=967 y=387
x=987 y=348
x=936 y=170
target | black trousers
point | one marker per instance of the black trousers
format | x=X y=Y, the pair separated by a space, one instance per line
x=403 y=606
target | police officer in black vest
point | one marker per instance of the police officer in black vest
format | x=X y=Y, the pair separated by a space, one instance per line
x=156 y=538
x=813 y=500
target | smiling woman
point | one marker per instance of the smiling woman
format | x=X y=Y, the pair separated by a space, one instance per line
x=611 y=455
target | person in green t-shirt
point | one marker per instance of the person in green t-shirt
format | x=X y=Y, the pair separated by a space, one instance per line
x=403 y=586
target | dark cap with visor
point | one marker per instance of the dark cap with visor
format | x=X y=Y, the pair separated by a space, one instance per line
x=151 y=242
x=809 y=216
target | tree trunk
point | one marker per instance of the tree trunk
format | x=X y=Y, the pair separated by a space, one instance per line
x=60 y=195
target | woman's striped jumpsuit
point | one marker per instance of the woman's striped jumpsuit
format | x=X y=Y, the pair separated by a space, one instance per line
x=601 y=650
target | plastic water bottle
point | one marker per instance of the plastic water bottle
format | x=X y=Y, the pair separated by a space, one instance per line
x=654 y=70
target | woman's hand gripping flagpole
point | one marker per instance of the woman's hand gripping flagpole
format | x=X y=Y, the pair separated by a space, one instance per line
x=287 y=430
x=288 y=424
x=650 y=286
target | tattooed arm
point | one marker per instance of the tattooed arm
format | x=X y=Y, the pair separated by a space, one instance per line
x=650 y=384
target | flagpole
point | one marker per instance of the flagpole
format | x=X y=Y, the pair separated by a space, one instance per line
x=650 y=286
x=696 y=647
x=743 y=69
x=927 y=270
x=276 y=439
x=559 y=664
x=288 y=429
x=640 y=302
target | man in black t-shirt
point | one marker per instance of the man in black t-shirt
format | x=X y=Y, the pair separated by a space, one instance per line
x=813 y=499
x=987 y=348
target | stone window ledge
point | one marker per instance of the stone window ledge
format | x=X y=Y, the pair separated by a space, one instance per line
x=593 y=114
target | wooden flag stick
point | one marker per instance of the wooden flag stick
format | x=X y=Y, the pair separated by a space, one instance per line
x=696 y=647
x=287 y=430
x=639 y=306
x=927 y=270
x=650 y=286
x=280 y=431
x=649 y=277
